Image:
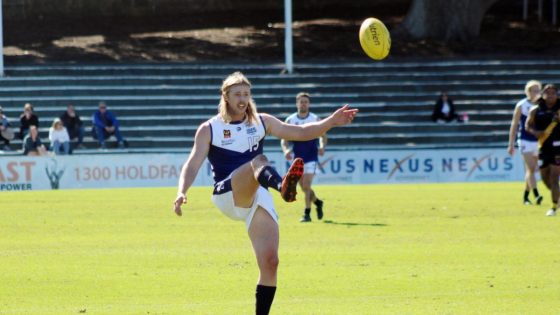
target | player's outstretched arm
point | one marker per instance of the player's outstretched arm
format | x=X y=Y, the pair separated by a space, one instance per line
x=192 y=165
x=279 y=129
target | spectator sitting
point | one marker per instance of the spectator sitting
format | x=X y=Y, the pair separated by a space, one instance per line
x=73 y=124
x=27 y=119
x=444 y=110
x=6 y=134
x=106 y=124
x=59 y=138
x=32 y=144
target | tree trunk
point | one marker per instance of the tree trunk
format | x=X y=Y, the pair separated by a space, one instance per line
x=448 y=20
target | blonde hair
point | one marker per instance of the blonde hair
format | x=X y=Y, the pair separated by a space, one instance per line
x=236 y=78
x=28 y=106
x=530 y=84
x=56 y=121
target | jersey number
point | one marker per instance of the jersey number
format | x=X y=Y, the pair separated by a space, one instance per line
x=253 y=143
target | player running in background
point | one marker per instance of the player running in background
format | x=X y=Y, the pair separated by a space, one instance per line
x=526 y=142
x=543 y=123
x=233 y=142
x=308 y=151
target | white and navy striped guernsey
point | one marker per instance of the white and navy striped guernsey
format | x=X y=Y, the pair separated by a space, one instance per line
x=307 y=150
x=233 y=144
x=525 y=105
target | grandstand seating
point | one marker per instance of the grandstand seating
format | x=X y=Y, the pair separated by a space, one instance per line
x=161 y=105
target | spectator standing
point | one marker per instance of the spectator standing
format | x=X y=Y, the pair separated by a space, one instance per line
x=32 y=144
x=27 y=119
x=6 y=133
x=59 y=138
x=105 y=124
x=74 y=125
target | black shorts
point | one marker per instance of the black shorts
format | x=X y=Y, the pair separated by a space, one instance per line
x=549 y=158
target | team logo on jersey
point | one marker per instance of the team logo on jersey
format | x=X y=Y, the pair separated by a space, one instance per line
x=238 y=128
x=227 y=134
x=251 y=130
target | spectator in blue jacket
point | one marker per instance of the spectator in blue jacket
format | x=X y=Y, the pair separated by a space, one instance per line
x=106 y=124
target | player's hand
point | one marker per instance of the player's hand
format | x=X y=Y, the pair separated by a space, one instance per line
x=321 y=151
x=181 y=200
x=288 y=155
x=343 y=115
x=511 y=150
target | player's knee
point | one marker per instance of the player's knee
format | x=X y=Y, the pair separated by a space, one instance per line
x=271 y=261
x=259 y=161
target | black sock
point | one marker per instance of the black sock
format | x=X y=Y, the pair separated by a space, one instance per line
x=269 y=177
x=526 y=195
x=307 y=211
x=535 y=192
x=317 y=201
x=265 y=296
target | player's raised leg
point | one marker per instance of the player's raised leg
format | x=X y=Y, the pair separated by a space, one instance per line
x=246 y=179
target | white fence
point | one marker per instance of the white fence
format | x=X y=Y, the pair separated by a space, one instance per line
x=340 y=167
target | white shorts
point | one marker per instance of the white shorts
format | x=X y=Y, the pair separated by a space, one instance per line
x=310 y=167
x=526 y=147
x=224 y=202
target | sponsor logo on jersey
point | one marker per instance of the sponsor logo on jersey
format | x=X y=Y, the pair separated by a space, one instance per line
x=251 y=130
x=227 y=142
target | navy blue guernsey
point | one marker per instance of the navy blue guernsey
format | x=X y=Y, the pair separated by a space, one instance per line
x=524 y=106
x=233 y=144
x=306 y=150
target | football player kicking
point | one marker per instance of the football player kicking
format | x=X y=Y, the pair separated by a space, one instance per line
x=233 y=143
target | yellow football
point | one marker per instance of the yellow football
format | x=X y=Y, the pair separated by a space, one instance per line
x=375 y=39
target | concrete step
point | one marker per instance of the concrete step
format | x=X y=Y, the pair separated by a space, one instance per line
x=302 y=68
x=335 y=99
x=371 y=77
x=405 y=89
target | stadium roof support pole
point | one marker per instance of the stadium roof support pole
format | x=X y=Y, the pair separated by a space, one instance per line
x=525 y=9
x=540 y=10
x=288 y=44
x=1 y=42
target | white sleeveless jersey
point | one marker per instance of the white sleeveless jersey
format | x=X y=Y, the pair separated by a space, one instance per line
x=294 y=119
x=233 y=145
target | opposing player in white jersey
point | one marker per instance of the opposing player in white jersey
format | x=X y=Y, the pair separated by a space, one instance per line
x=527 y=143
x=232 y=141
x=308 y=151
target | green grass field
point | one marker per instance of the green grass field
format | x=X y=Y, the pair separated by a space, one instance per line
x=382 y=249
